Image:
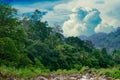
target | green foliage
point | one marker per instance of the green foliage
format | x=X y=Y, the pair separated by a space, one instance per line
x=27 y=72
x=35 y=29
x=24 y=61
x=7 y=14
x=114 y=73
x=116 y=56
x=78 y=67
x=32 y=43
x=8 y=52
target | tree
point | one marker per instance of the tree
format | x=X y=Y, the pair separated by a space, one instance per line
x=8 y=52
x=116 y=56
x=75 y=41
x=35 y=28
x=12 y=36
x=104 y=51
x=88 y=46
x=7 y=14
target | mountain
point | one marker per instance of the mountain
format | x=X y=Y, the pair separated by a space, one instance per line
x=109 y=41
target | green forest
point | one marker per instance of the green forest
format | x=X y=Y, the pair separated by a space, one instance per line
x=29 y=46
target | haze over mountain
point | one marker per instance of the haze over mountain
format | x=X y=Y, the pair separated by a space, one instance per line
x=110 y=41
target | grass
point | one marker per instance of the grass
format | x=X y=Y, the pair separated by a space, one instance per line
x=22 y=72
x=33 y=72
x=109 y=72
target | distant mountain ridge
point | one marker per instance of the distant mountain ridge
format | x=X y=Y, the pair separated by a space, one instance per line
x=109 y=41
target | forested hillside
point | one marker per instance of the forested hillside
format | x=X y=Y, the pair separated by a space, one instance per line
x=31 y=43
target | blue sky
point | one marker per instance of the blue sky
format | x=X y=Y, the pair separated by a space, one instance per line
x=29 y=0
x=76 y=17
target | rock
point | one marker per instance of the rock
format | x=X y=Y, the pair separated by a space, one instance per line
x=91 y=78
x=41 y=78
x=72 y=78
x=74 y=75
x=79 y=76
x=108 y=78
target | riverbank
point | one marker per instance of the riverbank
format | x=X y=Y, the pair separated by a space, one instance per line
x=43 y=74
x=73 y=76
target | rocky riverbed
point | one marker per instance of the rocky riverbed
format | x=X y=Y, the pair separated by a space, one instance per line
x=74 y=76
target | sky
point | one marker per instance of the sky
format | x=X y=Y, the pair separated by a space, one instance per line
x=76 y=17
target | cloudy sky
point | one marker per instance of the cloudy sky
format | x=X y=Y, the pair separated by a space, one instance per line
x=77 y=17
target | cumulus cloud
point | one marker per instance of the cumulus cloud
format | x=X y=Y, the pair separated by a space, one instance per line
x=92 y=19
x=79 y=17
x=104 y=28
x=82 y=22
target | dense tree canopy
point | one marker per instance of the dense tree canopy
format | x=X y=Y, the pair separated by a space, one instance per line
x=31 y=42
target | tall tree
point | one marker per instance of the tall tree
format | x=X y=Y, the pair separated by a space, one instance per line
x=12 y=36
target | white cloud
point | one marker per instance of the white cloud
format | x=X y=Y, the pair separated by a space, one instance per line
x=107 y=12
x=56 y=17
x=82 y=22
x=104 y=28
x=96 y=15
